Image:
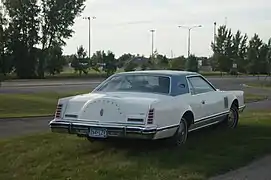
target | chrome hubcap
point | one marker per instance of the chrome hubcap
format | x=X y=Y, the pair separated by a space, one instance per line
x=231 y=118
x=182 y=133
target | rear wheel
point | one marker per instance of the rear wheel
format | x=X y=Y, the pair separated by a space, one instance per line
x=180 y=136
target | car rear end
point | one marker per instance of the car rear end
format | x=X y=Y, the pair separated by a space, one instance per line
x=106 y=117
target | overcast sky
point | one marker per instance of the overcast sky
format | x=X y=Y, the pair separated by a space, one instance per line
x=123 y=25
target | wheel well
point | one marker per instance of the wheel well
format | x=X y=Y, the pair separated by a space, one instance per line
x=189 y=116
x=235 y=103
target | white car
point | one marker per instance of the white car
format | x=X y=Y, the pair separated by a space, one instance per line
x=155 y=104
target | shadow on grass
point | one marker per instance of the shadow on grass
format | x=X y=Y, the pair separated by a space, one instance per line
x=207 y=151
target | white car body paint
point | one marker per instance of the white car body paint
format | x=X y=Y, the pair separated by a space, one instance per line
x=121 y=113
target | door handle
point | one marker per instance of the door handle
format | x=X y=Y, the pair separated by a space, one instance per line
x=202 y=102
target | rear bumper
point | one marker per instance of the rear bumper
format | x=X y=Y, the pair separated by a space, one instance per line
x=122 y=131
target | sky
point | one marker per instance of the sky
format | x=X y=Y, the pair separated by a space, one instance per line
x=123 y=26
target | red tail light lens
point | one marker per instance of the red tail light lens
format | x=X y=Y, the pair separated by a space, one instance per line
x=58 y=111
x=150 y=116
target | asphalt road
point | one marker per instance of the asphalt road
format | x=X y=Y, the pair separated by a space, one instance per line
x=26 y=86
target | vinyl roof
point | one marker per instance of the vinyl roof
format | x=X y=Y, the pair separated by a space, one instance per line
x=162 y=72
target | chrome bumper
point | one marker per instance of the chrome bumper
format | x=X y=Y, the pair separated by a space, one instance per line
x=83 y=129
x=242 y=108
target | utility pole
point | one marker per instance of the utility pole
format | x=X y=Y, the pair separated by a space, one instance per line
x=214 y=32
x=89 y=33
x=152 y=42
x=189 y=36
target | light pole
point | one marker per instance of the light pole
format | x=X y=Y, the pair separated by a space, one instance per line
x=189 y=35
x=89 y=33
x=152 y=41
x=214 y=32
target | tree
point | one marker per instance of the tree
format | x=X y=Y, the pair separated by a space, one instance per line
x=55 y=60
x=123 y=59
x=239 y=51
x=80 y=62
x=3 y=67
x=131 y=66
x=223 y=49
x=97 y=60
x=268 y=57
x=110 y=66
x=253 y=55
x=177 y=63
x=57 y=18
x=192 y=63
x=22 y=35
x=161 y=61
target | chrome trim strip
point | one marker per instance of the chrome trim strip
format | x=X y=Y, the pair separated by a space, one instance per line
x=63 y=124
x=211 y=117
x=203 y=126
x=167 y=127
x=90 y=122
x=242 y=108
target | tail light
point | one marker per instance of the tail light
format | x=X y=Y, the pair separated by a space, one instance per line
x=58 y=111
x=150 y=116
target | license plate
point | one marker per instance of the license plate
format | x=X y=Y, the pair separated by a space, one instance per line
x=99 y=133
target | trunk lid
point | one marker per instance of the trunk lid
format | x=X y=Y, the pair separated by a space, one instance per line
x=114 y=107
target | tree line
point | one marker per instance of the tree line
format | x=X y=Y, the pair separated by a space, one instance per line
x=235 y=53
x=232 y=53
x=33 y=33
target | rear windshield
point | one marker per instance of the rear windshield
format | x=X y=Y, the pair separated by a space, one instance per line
x=137 y=83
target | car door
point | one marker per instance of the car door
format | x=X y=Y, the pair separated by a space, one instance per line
x=194 y=102
x=209 y=99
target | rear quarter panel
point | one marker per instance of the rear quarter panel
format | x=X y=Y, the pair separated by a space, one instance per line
x=168 y=114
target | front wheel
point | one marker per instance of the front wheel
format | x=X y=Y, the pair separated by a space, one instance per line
x=181 y=134
x=232 y=119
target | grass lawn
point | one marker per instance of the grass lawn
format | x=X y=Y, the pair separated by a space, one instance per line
x=254 y=97
x=263 y=84
x=40 y=104
x=207 y=153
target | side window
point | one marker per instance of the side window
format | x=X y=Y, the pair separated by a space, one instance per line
x=200 y=85
x=191 y=89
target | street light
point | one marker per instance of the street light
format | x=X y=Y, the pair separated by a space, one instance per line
x=189 y=34
x=89 y=33
x=152 y=46
x=214 y=32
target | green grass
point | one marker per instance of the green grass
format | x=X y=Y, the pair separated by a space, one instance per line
x=262 y=84
x=254 y=97
x=36 y=104
x=43 y=104
x=207 y=153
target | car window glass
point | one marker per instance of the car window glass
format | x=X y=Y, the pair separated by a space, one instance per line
x=200 y=85
x=137 y=83
x=191 y=89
